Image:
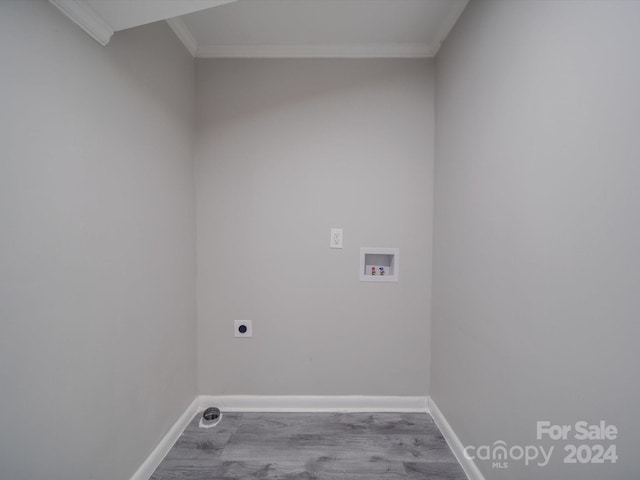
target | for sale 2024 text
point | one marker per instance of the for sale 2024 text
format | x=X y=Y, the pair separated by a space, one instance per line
x=582 y=431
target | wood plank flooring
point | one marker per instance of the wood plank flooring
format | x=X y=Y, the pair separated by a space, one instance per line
x=312 y=446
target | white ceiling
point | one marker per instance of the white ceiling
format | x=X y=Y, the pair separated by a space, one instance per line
x=281 y=28
x=101 y=18
x=122 y=14
x=267 y=28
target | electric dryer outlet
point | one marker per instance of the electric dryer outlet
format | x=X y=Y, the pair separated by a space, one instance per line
x=243 y=328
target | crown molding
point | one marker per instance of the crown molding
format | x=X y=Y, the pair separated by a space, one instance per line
x=316 y=51
x=454 y=14
x=86 y=18
x=183 y=33
x=101 y=29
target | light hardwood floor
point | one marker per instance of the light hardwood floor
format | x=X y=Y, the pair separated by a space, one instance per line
x=310 y=446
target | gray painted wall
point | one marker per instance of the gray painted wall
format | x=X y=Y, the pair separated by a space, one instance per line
x=286 y=149
x=536 y=264
x=536 y=274
x=97 y=226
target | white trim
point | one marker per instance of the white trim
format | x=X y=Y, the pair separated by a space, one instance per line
x=316 y=51
x=322 y=403
x=454 y=14
x=86 y=18
x=308 y=403
x=469 y=467
x=157 y=455
x=184 y=34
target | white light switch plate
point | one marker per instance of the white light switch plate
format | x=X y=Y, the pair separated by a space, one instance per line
x=335 y=240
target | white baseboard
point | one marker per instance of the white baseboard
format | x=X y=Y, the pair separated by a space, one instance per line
x=310 y=403
x=292 y=403
x=153 y=460
x=469 y=467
